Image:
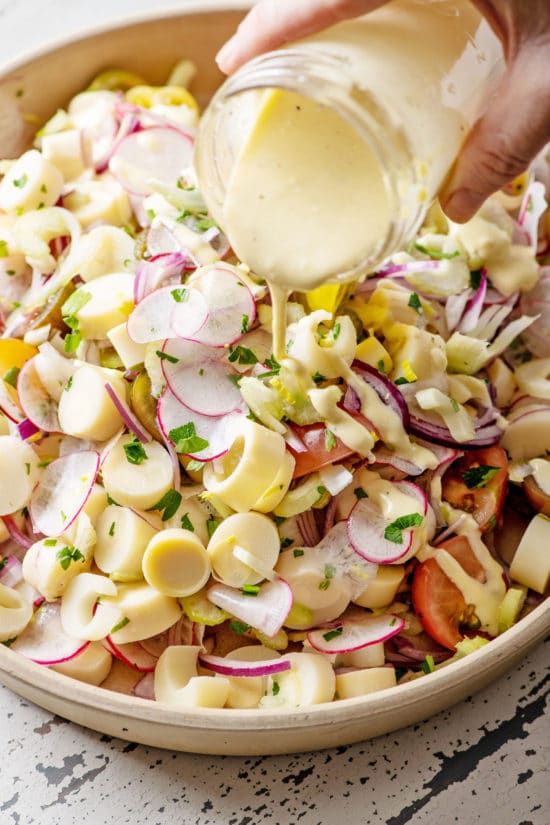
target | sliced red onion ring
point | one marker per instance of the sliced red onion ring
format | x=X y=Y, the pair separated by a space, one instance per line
x=265 y=612
x=218 y=431
x=159 y=152
x=199 y=378
x=454 y=308
x=352 y=402
x=386 y=390
x=17 y=535
x=474 y=306
x=44 y=641
x=129 y=123
x=11 y=572
x=155 y=272
x=128 y=416
x=132 y=654
x=27 y=429
x=62 y=491
x=308 y=528
x=356 y=635
x=153 y=318
x=439 y=434
x=229 y=301
x=235 y=667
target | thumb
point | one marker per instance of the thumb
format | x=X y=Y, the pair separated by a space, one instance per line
x=270 y=23
x=505 y=140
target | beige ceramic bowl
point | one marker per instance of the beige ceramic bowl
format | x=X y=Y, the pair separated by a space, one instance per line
x=48 y=79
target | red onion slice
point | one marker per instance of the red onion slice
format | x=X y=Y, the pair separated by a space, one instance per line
x=235 y=667
x=17 y=535
x=62 y=491
x=128 y=416
x=386 y=390
x=27 y=429
x=265 y=612
x=386 y=457
x=474 y=306
x=356 y=635
x=44 y=641
x=159 y=153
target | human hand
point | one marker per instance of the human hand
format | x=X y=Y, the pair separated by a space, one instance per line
x=516 y=124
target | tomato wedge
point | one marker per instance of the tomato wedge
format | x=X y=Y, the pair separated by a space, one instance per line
x=479 y=493
x=438 y=603
x=316 y=455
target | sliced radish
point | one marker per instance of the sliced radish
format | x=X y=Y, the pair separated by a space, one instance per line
x=219 y=431
x=36 y=402
x=53 y=369
x=350 y=636
x=128 y=416
x=151 y=319
x=159 y=153
x=44 y=641
x=409 y=488
x=152 y=274
x=132 y=654
x=229 y=301
x=62 y=491
x=265 y=612
x=233 y=667
x=199 y=379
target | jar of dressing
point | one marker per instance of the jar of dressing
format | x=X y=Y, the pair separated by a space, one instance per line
x=321 y=159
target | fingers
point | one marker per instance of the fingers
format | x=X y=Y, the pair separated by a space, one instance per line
x=271 y=23
x=514 y=129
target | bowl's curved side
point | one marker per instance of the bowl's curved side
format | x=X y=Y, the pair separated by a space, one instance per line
x=272 y=731
x=30 y=91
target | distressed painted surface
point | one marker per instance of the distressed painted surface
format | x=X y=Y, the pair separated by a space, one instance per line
x=486 y=761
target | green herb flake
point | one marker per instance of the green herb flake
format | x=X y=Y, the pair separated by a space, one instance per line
x=27 y=468
x=123 y=622
x=151 y=214
x=359 y=493
x=238 y=627
x=428 y=665
x=402 y=380
x=279 y=520
x=69 y=384
x=330 y=440
x=195 y=466
x=275 y=688
x=250 y=589
x=19 y=183
x=337 y=328
x=394 y=531
x=72 y=341
x=211 y=525
x=436 y=254
x=186 y=440
x=180 y=295
x=135 y=451
x=168 y=504
x=186 y=523
x=333 y=634
x=297 y=552
x=4 y=252
x=244 y=324
x=492 y=522
x=321 y=490
x=11 y=376
x=415 y=303
x=241 y=355
x=68 y=554
x=286 y=543
x=318 y=378
x=475 y=278
x=455 y=405
x=112 y=529
x=273 y=364
x=165 y=357
x=50 y=542
x=476 y=477
x=381 y=366
x=329 y=574
x=74 y=303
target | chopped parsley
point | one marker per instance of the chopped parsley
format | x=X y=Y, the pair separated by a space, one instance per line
x=275 y=688
x=244 y=324
x=250 y=589
x=476 y=477
x=359 y=493
x=330 y=440
x=238 y=627
x=11 y=376
x=135 y=451
x=165 y=357
x=336 y=329
x=279 y=519
x=297 y=553
x=180 y=295
x=68 y=554
x=415 y=303
x=286 y=543
x=241 y=355
x=321 y=490
x=329 y=574
x=475 y=278
x=3 y=249
x=428 y=665
x=186 y=440
x=19 y=183
x=75 y=302
x=273 y=364
x=402 y=380
x=186 y=523
x=123 y=622
x=195 y=466
x=69 y=383
x=455 y=405
x=394 y=531
x=381 y=366
x=318 y=378
x=27 y=468
x=211 y=525
x=436 y=254
x=333 y=634
x=112 y=529
x=168 y=504
x=50 y=542
x=3 y=563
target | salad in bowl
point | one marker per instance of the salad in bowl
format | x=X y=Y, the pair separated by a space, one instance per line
x=187 y=518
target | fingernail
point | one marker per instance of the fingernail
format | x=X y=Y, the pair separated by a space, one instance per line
x=225 y=56
x=461 y=204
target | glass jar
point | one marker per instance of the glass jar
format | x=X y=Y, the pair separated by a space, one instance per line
x=408 y=80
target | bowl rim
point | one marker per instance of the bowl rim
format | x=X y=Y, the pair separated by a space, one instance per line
x=526 y=632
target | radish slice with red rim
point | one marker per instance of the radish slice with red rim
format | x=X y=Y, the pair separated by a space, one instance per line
x=62 y=491
x=151 y=319
x=234 y=667
x=229 y=303
x=199 y=378
x=350 y=636
x=132 y=654
x=366 y=527
x=153 y=273
x=37 y=404
x=158 y=153
x=265 y=612
x=218 y=431
x=44 y=641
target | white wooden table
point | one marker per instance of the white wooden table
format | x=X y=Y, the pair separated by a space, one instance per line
x=485 y=761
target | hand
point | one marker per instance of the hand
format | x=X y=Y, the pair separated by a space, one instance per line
x=516 y=124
